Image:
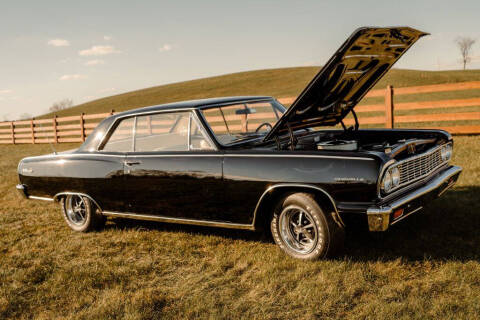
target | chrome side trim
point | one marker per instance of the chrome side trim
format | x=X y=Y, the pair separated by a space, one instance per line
x=336 y=216
x=76 y=193
x=296 y=156
x=178 y=220
x=95 y=154
x=40 y=198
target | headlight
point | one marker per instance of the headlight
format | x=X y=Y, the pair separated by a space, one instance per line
x=446 y=152
x=387 y=181
x=395 y=173
x=391 y=179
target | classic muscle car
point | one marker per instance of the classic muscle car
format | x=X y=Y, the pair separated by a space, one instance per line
x=248 y=162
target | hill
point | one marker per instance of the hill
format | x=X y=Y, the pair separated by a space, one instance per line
x=282 y=82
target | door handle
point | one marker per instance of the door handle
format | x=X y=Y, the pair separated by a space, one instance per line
x=132 y=162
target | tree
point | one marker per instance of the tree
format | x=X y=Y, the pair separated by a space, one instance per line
x=465 y=45
x=61 y=105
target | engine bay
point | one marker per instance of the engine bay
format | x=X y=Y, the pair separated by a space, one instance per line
x=393 y=143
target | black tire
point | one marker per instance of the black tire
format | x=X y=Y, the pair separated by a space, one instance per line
x=305 y=230
x=88 y=219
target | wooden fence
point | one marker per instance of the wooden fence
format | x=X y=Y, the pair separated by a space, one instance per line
x=77 y=128
x=54 y=130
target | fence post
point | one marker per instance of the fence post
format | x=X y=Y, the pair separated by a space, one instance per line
x=32 y=130
x=55 y=137
x=12 y=128
x=82 y=127
x=389 y=108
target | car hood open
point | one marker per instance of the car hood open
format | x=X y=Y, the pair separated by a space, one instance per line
x=349 y=74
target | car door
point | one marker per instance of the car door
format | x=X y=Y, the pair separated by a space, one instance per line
x=107 y=166
x=173 y=170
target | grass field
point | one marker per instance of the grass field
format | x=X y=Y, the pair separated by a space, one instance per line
x=426 y=267
x=288 y=82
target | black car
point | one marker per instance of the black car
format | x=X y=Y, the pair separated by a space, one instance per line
x=248 y=162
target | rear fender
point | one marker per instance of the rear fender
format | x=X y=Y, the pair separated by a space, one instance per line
x=61 y=195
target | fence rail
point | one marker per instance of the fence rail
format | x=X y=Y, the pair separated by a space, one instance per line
x=77 y=128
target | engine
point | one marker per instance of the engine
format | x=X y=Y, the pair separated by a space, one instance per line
x=396 y=146
x=350 y=145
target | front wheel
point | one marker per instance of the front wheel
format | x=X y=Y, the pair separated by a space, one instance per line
x=81 y=214
x=303 y=230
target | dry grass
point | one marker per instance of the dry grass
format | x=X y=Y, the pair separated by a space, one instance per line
x=288 y=82
x=426 y=267
x=284 y=82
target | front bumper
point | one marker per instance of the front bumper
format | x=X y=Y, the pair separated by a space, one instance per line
x=381 y=217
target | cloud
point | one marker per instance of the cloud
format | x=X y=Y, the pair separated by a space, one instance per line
x=107 y=38
x=166 y=47
x=58 y=43
x=72 y=77
x=98 y=51
x=94 y=62
x=6 y=91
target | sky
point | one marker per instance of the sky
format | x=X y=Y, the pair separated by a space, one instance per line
x=85 y=50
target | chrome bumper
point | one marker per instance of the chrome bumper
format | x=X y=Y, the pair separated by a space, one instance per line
x=381 y=217
x=22 y=191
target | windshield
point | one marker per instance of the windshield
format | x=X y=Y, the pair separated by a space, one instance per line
x=232 y=123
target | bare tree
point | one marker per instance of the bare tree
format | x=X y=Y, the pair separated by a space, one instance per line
x=61 y=105
x=465 y=45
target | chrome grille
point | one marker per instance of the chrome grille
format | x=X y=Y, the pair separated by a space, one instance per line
x=419 y=166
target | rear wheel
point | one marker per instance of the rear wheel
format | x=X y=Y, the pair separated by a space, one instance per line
x=81 y=214
x=303 y=230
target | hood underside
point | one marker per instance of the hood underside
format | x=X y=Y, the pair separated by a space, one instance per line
x=349 y=74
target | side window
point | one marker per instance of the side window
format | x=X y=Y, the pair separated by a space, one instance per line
x=162 y=132
x=121 y=138
x=198 y=140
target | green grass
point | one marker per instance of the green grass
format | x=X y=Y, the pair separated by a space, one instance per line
x=285 y=82
x=427 y=267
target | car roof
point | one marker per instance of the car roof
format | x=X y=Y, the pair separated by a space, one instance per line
x=191 y=104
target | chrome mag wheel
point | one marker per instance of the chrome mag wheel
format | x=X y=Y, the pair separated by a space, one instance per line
x=76 y=209
x=298 y=229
